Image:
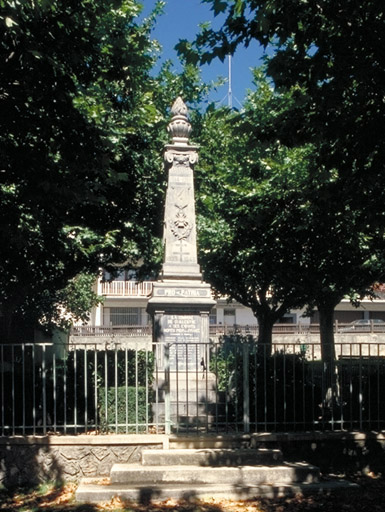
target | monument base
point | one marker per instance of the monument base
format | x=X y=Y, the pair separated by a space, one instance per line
x=192 y=400
x=180 y=312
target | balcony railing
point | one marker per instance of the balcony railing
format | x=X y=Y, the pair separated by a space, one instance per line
x=218 y=330
x=127 y=288
x=111 y=331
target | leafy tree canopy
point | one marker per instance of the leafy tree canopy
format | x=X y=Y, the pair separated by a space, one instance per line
x=335 y=51
x=81 y=133
x=277 y=232
x=330 y=57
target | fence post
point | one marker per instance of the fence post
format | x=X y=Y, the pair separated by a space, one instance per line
x=246 y=397
x=167 y=400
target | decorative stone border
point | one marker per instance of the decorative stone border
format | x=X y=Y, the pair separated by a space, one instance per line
x=34 y=459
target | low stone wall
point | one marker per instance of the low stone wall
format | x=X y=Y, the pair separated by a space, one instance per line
x=33 y=459
x=333 y=452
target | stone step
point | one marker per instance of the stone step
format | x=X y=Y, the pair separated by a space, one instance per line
x=211 y=457
x=90 y=491
x=243 y=475
x=187 y=409
x=192 y=397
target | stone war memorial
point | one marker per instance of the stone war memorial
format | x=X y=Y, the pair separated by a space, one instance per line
x=193 y=467
x=181 y=301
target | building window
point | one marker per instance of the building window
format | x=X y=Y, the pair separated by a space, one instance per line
x=122 y=316
x=213 y=317
x=121 y=275
x=229 y=316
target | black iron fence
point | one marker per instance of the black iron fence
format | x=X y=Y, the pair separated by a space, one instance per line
x=234 y=385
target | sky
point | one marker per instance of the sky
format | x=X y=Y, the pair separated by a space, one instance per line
x=181 y=20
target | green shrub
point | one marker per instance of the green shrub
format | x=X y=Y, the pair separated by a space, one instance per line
x=123 y=411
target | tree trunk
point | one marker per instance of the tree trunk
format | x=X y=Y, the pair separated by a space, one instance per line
x=265 y=332
x=328 y=356
x=326 y=315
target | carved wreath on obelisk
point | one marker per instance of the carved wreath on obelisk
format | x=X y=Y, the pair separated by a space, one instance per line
x=180 y=226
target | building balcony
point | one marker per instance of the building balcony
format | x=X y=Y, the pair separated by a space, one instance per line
x=126 y=288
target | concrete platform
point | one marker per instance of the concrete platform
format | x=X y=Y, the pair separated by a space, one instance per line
x=91 y=492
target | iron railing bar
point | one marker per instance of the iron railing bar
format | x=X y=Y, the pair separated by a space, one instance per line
x=312 y=384
x=96 y=391
x=275 y=392
x=187 y=387
x=177 y=385
x=13 y=387
x=75 y=391
x=44 y=391
x=255 y=387
x=215 y=352
x=303 y=388
x=2 y=391
x=264 y=386
x=294 y=386
x=246 y=389
x=157 y=350
x=23 y=384
x=85 y=388
x=136 y=389
x=196 y=386
x=378 y=387
x=116 y=387
x=351 y=386
x=206 y=377
x=126 y=383
x=368 y=391
x=360 y=384
x=54 y=391
x=65 y=359
x=33 y=391
x=147 y=391
x=227 y=395
x=284 y=387
x=236 y=386
x=106 y=389
x=167 y=398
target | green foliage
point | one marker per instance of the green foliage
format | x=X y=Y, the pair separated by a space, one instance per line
x=222 y=364
x=101 y=373
x=280 y=386
x=81 y=133
x=251 y=196
x=280 y=228
x=125 y=405
x=112 y=367
x=72 y=303
x=78 y=180
x=287 y=390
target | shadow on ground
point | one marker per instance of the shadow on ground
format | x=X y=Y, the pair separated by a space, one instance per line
x=369 y=498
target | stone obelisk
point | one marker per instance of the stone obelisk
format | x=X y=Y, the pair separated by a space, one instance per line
x=180 y=303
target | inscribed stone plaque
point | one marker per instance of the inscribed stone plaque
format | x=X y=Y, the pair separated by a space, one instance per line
x=182 y=333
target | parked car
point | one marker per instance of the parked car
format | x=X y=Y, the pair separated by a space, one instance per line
x=365 y=325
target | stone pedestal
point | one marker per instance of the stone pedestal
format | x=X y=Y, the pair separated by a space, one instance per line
x=180 y=313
